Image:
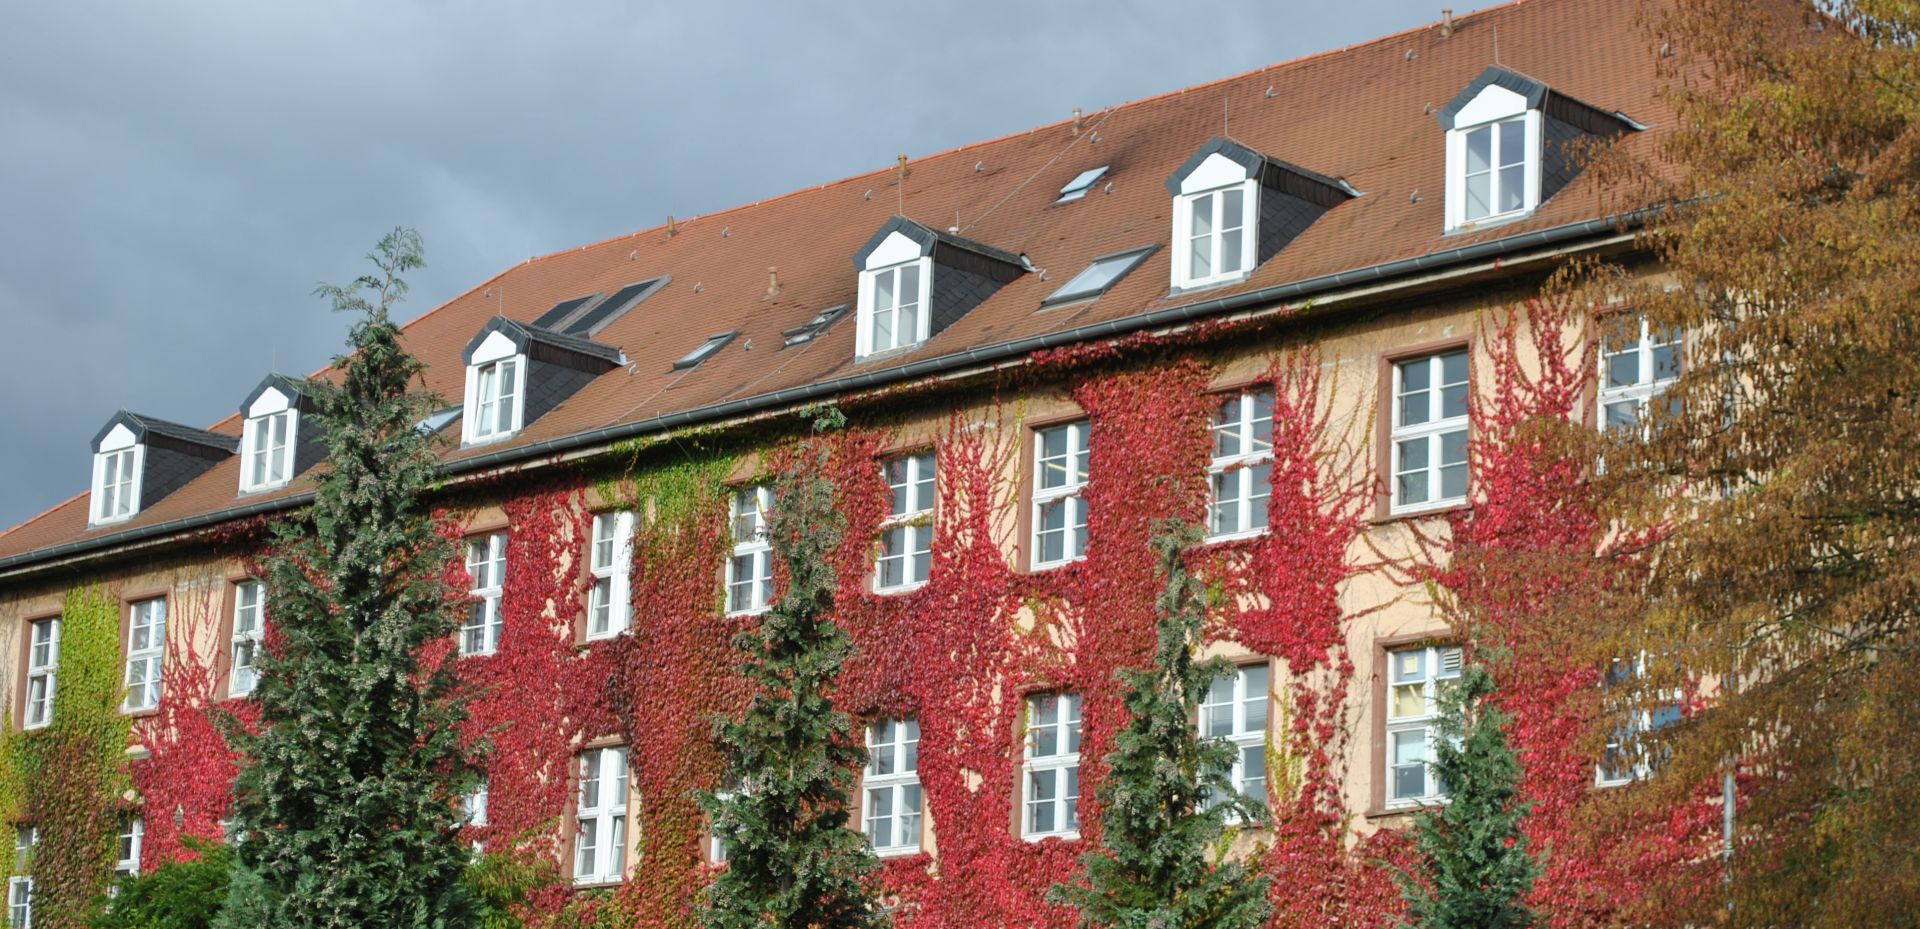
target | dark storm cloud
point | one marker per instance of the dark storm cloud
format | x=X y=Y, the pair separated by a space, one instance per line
x=174 y=178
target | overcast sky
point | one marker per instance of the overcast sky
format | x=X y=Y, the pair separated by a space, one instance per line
x=176 y=177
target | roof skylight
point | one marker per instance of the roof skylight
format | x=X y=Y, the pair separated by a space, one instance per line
x=1100 y=276
x=821 y=322
x=437 y=420
x=1081 y=183
x=713 y=344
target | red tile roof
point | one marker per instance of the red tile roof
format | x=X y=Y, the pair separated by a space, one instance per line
x=1362 y=114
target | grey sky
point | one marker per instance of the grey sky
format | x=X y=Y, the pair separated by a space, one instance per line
x=175 y=177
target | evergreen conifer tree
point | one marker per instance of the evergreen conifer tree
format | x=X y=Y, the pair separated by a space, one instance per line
x=1476 y=869
x=792 y=862
x=1159 y=833
x=346 y=805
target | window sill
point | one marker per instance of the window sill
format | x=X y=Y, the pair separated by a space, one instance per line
x=117 y=520
x=904 y=851
x=1193 y=287
x=598 y=885
x=486 y=654
x=488 y=440
x=263 y=489
x=603 y=637
x=1055 y=565
x=898 y=351
x=743 y=614
x=140 y=713
x=1407 y=808
x=1491 y=222
x=1422 y=512
x=1037 y=838
x=1240 y=536
x=897 y=591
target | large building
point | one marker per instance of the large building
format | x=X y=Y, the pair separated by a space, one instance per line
x=1262 y=304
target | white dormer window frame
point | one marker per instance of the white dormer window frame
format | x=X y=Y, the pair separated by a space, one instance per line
x=117 y=470
x=1489 y=120
x=267 y=442
x=1216 y=228
x=496 y=392
x=896 y=291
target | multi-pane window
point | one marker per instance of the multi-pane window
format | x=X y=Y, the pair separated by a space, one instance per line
x=1430 y=430
x=146 y=653
x=269 y=450
x=1626 y=757
x=1496 y=178
x=249 y=631
x=473 y=806
x=133 y=834
x=750 y=569
x=1052 y=766
x=496 y=398
x=20 y=887
x=113 y=492
x=1632 y=375
x=1059 y=485
x=609 y=562
x=1235 y=709
x=1416 y=678
x=717 y=843
x=487 y=566
x=890 y=806
x=906 y=538
x=897 y=307
x=43 y=671
x=1215 y=240
x=600 y=836
x=1241 y=474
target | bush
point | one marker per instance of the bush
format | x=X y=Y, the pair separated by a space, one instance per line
x=176 y=895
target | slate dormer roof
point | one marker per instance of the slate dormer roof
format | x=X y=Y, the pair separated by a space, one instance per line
x=1362 y=114
x=965 y=274
x=1568 y=123
x=1291 y=197
x=558 y=365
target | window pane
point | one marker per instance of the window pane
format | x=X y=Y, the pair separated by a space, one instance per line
x=1513 y=142
x=1227 y=440
x=1513 y=188
x=1666 y=361
x=1259 y=483
x=1479 y=196
x=1231 y=258
x=883 y=289
x=1480 y=149
x=1623 y=368
x=1233 y=208
x=909 y=292
x=1225 y=512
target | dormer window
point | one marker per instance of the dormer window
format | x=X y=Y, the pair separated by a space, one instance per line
x=896 y=298
x=1512 y=143
x=495 y=396
x=516 y=373
x=116 y=485
x=272 y=451
x=268 y=449
x=1219 y=198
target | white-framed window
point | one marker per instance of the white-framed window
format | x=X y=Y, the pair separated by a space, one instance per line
x=494 y=390
x=1052 y=792
x=890 y=804
x=610 y=562
x=1214 y=235
x=1060 y=455
x=1632 y=375
x=116 y=484
x=487 y=566
x=1493 y=159
x=906 y=537
x=1416 y=678
x=146 y=653
x=473 y=805
x=717 y=843
x=133 y=834
x=43 y=671
x=267 y=450
x=750 y=568
x=600 y=817
x=1429 y=442
x=1240 y=475
x=1626 y=758
x=249 y=632
x=20 y=902
x=894 y=306
x=1235 y=709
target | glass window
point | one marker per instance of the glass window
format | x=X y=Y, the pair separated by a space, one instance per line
x=487 y=566
x=133 y=833
x=1052 y=766
x=269 y=456
x=1496 y=166
x=609 y=563
x=750 y=569
x=1415 y=679
x=1240 y=476
x=496 y=398
x=20 y=902
x=600 y=838
x=1100 y=276
x=906 y=537
x=473 y=806
x=1633 y=375
x=43 y=668
x=891 y=799
x=1081 y=183
x=1430 y=430
x=1235 y=709
x=249 y=632
x=146 y=653
x=113 y=492
x=1059 y=486
x=1627 y=756
x=1216 y=239
x=896 y=315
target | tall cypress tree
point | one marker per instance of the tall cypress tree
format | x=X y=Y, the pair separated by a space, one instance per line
x=1475 y=866
x=1159 y=834
x=792 y=861
x=346 y=805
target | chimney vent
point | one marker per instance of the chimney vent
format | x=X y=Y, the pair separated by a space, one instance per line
x=1446 y=22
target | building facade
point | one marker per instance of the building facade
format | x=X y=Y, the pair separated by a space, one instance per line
x=1308 y=328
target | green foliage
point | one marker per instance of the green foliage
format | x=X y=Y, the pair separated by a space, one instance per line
x=175 y=895
x=348 y=803
x=1156 y=867
x=1475 y=867
x=504 y=883
x=791 y=860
